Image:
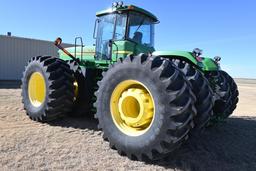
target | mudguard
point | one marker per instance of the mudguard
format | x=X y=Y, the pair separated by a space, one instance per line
x=206 y=64
x=210 y=65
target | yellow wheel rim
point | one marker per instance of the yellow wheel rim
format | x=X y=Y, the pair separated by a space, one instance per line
x=37 y=89
x=76 y=89
x=132 y=107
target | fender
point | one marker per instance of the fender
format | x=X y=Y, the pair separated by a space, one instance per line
x=177 y=54
x=210 y=65
x=207 y=64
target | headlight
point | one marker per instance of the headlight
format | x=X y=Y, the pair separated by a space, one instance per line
x=120 y=4
x=115 y=4
x=197 y=52
x=217 y=59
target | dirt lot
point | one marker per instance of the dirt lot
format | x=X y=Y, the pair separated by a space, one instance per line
x=75 y=143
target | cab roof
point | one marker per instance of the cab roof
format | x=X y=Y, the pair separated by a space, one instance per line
x=127 y=8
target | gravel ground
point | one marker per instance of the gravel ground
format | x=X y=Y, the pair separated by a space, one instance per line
x=76 y=144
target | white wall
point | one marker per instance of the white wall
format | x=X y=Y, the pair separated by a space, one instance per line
x=15 y=53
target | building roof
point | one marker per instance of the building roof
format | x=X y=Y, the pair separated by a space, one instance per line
x=31 y=39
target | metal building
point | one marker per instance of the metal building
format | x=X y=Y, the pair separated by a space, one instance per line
x=16 y=51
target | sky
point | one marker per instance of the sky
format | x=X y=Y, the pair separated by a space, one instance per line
x=225 y=28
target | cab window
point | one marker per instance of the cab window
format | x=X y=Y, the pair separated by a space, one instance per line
x=141 y=29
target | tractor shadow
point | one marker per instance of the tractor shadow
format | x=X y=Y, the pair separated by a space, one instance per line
x=227 y=146
x=10 y=84
x=83 y=122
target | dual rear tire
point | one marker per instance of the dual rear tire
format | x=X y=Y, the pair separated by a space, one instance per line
x=226 y=94
x=47 y=88
x=52 y=88
x=84 y=89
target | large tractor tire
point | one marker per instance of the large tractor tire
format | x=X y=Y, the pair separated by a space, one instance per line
x=202 y=90
x=47 y=88
x=234 y=94
x=84 y=89
x=223 y=96
x=145 y=107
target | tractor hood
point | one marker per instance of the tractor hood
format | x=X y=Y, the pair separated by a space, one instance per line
x=180 y=54
x=210 y=64
x=88 y=52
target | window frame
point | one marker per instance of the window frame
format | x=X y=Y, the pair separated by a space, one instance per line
x=126 y=26
x=152 y=29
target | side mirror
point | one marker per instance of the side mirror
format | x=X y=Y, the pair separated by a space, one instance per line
x=95 y=28
x=110 y=43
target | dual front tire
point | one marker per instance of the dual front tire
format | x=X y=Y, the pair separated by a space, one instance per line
x=161 y=107
x=202 y=91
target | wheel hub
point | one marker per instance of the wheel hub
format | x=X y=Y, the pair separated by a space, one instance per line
x=75 y=89
x=136 y=107
x=132 y=107
x=37 y=89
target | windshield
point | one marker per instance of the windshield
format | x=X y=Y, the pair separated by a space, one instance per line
x=141 y=29
x=104 y=34
x=107 y=25
x=120 y=26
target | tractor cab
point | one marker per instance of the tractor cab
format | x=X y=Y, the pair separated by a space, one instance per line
x=123 y=30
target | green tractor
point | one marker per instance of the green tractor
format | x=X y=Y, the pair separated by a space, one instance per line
x=147 y=102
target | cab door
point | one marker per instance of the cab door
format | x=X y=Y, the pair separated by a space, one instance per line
x=105 y=32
